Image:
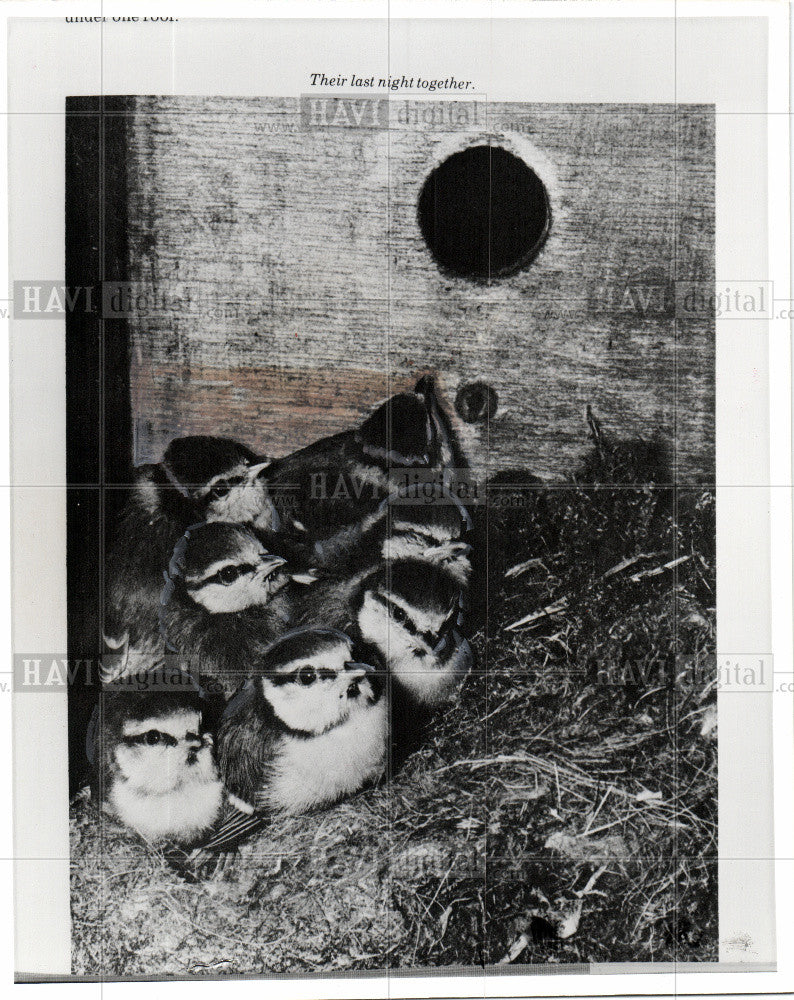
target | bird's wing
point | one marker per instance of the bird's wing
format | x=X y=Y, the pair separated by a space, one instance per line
x=355 y=546
x=246 y=744
x=237 y=826
x=328 y=604
x=301 y=486
x=142 y=545
x=221 y=646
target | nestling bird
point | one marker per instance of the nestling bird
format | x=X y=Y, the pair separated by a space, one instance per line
x=309 y=728
x=153 y=765
x=199 y=479
x=411 y=612
x=434 y=530
x=219 y=477
x=225 y=568
x=224 y=596
x=339 y=481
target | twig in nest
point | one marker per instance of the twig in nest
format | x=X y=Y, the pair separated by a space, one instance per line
x=625 y=563
x=658 y=569
x=522 y=567
x=592 y=881
x=596 y=433
x=551 y=609
x=598 y=810
x=515 y=950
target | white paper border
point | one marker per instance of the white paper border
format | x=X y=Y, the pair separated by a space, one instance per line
x=780 y=499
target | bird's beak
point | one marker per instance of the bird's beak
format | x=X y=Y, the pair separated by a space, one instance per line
x=358 y=669
x=464 y=657
x=450 y=550
x=452 y=619
x=444 y=644
x=452 y=646
x=254 y=471
x=448 y=641
x=356 y=672
x=270 y=563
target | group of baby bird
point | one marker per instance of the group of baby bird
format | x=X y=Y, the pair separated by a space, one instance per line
x=279 y=629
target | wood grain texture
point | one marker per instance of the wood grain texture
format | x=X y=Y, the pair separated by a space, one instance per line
x=286 y=286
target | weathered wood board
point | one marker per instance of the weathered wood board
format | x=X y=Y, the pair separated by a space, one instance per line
x=286 y=286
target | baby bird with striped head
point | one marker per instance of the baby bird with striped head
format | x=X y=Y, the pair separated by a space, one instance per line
x=434 y=530
x=338 y=482
x=153 y=764
x=411 y=612
x=310 y=727
x=198 y=479
x=225 y=594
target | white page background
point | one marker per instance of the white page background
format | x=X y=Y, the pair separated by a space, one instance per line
x=652 y=59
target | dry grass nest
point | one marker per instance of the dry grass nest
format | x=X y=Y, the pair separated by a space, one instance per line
x=563 y=810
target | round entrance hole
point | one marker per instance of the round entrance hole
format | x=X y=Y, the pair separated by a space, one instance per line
x=484 y=213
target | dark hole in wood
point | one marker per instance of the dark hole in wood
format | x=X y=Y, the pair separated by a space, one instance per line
x=476 y=401
x=483 y=213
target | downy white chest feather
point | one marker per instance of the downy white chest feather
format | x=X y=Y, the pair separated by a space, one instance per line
x=181 y=814
x=319 y=770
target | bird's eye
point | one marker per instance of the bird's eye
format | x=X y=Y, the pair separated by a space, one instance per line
x=220 y=489
x=228 y=574
x=152 y=738
x=307 y=676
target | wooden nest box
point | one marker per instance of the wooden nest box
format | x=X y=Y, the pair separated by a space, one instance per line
x=294 y=262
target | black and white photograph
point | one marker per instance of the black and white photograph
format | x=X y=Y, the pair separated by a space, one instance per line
x=412 y=556
x=407 y=535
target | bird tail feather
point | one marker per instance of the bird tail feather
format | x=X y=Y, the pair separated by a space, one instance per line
x=235 y=828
